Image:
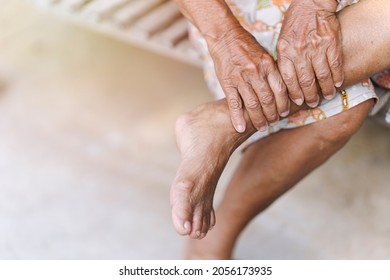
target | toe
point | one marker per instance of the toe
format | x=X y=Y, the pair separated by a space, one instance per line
x=212 y=219
x=197 y=224
x=182 y=210
x=182 y=226
x=206 y=223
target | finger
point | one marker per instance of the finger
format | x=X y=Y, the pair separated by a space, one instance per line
x=236 y=109
x=335 y=61
x=287 y=70
x=279 y=89
x=253 y=106
x=324 y=76
x=307 y=82
x=266 y=98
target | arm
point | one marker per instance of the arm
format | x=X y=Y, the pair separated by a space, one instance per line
x=247 y=73
x=366 y=39
x=207 y=16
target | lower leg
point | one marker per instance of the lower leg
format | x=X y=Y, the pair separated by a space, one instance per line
x=264 y=175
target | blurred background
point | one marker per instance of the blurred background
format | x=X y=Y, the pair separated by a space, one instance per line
x=87 y=153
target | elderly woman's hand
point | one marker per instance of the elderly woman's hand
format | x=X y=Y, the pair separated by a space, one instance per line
x=250 y=78
x=309 y=51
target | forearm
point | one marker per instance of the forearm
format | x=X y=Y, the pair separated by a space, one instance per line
x=213 y=18
x=366 y=39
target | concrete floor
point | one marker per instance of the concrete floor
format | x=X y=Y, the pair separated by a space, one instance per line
x=87 y=155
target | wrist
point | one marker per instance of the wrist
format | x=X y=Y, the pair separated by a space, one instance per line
x=213 y=18
x=220 y=29
x=224 y=39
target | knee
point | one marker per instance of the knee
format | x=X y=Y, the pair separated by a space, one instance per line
x=340 y=131
x=340 y=128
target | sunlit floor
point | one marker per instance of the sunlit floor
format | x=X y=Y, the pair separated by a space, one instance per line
x=87 y=155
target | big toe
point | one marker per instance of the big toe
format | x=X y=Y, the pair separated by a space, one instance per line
x=182 y=210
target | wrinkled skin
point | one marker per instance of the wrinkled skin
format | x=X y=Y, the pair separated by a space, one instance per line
x=250 y=78
x=309 y=51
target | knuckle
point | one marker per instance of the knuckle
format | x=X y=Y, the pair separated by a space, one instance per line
x=322 y=40
x=329 y=39
x=235 y=104
x=282 y=46
x=260 y=123
x=323 y=76
x=317 y=41
x=288 y=78
x=273 y=117
x=306 y=82
x=267 y=98
x=252 y=103
x=251 y=67
x=267 y=64
x=280 y=88
x=227 y=83
x=336 y=63
x=267 y=60
x=300 y=46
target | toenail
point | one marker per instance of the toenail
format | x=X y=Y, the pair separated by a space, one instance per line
x=187 y=225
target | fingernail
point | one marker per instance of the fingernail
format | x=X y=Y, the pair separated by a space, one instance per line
x=263 y=128
x=313 y=104
x=240 y=128
x=274 y=123
x=329 y=97
x=198 y=233
x=187 y=225
x=298 y=101
x=339 y=84
x=285 y=114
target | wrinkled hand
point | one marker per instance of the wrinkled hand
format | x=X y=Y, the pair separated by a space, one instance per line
x=309 y=51
x=250 y=78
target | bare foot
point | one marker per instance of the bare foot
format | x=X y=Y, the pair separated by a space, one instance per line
x=206 y=139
